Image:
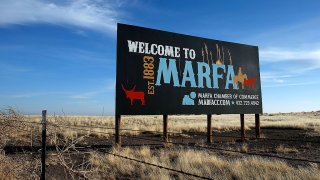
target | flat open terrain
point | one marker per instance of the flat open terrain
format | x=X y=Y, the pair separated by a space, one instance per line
x=83 y=147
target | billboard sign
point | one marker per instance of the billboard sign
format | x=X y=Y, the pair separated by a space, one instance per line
x=161 y=72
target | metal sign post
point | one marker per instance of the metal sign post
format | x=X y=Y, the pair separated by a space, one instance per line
x=117 y=130
x=257 y=122
x=243 y=134
x=165 y=129
x=209 y=129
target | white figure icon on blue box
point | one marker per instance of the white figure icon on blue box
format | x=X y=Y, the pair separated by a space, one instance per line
x=189 y=99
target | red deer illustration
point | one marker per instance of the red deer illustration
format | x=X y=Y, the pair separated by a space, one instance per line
x=250 y=82
x=132 y=95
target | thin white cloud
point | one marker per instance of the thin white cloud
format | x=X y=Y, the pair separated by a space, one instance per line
x=68 y=94
x=301 y=33
x=272 y=75
x=291 y=84
x=107 y=88
x=86 y=95
x=286 y=77
x=272 y=78
x=275 y=55
x=90 y=14
x=296 y=43
x=297 y=63
x=289 y=52
x=7 y=68
x=34 y=94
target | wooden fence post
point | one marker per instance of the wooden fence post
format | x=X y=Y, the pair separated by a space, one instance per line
x=257 y=121
x=209 y=129
x=243 y=135
x=165 y=128
x=117 y=129
x=31 y=137
x=44 y=136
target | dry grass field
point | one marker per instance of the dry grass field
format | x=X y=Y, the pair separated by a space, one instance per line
x=196 y=162
x=196 y=123
x=65 y=163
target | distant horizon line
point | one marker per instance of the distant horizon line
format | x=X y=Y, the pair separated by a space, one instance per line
x=34 y=114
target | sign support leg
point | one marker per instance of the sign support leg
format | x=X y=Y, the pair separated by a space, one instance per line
x=117 y=129
x=209 y=129
x=242 y=127
x=165 y=128
x=257 y=121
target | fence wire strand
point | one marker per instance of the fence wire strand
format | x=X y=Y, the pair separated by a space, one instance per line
x=75 y=127
x=170 y=132
x=211 y=148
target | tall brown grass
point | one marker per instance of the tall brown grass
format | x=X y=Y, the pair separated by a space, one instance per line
x=197 y=162
x=23 y=167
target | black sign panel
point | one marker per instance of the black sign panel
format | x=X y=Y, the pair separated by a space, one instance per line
x=160 y=72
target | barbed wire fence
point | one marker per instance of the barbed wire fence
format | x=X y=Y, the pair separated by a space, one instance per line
x=89 y=129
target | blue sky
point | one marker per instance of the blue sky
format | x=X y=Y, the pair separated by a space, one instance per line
x=61 y=55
